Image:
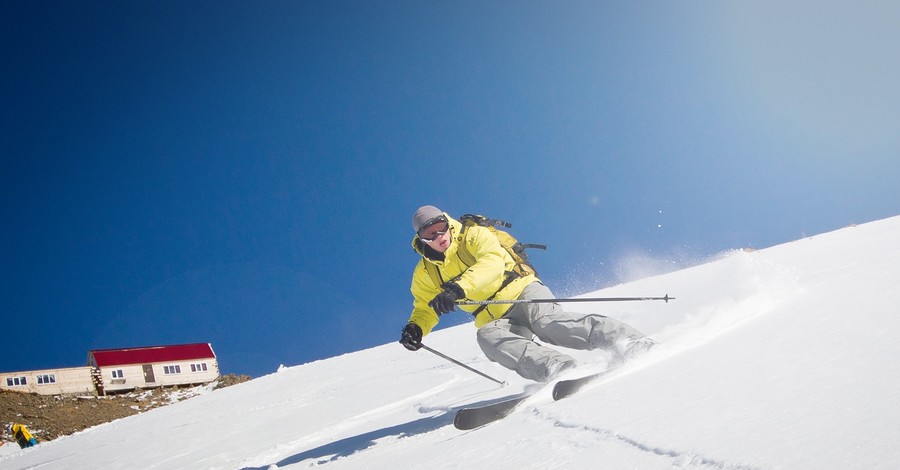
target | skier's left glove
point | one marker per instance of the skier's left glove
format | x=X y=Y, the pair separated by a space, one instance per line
x=445 y=302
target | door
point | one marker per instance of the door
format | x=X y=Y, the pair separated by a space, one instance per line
x=148 y=374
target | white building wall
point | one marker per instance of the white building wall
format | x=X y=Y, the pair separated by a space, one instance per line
x=180 y=373
x=132 y=376
x=184 y=374
x=61 y=381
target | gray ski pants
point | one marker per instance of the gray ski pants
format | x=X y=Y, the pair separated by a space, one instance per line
x=510 y=342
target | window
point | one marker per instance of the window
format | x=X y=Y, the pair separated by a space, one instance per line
x=171 y=370
x=46 y=379
x=16 y=381
x=201 y=367
x=118 y=374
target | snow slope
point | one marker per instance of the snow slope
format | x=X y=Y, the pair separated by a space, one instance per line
x=784 y=358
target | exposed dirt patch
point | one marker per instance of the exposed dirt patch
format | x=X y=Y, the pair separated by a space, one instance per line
x=49 y=417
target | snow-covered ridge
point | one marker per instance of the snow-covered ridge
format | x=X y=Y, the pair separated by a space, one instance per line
x=780 y=358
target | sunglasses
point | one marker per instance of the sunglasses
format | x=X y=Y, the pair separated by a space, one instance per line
x=428 y=235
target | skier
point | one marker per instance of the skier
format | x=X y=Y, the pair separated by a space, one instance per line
x=23 y=437
x=506 y=333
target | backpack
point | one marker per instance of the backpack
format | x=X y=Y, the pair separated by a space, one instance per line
x=514 y=247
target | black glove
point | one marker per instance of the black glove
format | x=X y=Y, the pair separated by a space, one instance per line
x=412 y=337
x=445 y=302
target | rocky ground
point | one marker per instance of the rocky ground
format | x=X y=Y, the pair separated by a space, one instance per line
x=49 y=417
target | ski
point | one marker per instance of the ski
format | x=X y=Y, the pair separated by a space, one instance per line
x=478 y=416
x=566 y=388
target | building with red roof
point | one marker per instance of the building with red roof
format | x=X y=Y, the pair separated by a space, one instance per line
x=152 y=366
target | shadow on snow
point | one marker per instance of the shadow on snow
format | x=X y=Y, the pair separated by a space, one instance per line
x=351 y=445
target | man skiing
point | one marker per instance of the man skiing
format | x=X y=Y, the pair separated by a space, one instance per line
x=506 y=332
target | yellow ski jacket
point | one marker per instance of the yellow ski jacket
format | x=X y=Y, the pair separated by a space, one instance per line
x=481 y=281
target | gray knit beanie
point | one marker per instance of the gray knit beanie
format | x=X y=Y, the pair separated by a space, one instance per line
x=424 y=215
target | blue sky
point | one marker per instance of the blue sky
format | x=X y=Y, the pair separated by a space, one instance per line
x=244 y=173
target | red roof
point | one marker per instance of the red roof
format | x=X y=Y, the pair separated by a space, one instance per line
x=150 y=354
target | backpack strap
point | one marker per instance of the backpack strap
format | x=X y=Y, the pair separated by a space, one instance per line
x=432 y=271
x=507 y=280
x=532 y=245
x=472 y=219
x=462 y=248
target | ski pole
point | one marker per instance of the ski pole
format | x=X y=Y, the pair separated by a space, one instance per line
x=545 y=301
x=461 y=364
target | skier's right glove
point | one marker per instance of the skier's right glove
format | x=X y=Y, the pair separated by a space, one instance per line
x=412 y=337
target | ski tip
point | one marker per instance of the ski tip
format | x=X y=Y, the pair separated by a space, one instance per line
x=457 y=423
x=566 y=388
